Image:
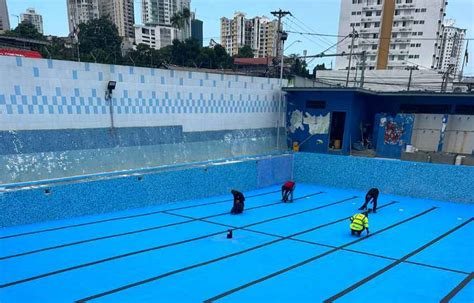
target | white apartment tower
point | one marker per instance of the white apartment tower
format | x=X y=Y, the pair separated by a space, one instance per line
x=452 y=48
x=4 y=19
x=158 y=31
x=260 y=33
x=32 y=17
x=81 y=11
x=160 y=12
x=394 y=34
x=121 y=13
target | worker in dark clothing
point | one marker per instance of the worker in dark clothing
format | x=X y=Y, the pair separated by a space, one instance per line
x=359 y=223
x=287 y=191
x=371 y=197
x=239 y=200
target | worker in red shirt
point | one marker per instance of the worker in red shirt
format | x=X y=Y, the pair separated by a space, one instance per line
x=287 y=191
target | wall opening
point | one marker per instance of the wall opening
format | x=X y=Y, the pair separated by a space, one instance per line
x=336 y=138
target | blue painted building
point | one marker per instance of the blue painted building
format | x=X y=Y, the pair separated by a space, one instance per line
x=334 y=120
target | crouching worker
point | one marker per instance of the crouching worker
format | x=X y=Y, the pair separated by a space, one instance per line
x=359 y=223
x=239 y=200
x=287 y=191
x=371 y=197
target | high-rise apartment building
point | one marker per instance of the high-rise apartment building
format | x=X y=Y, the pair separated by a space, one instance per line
x=260 y=33
x=4 y=20
x=81 y=11
x=121 y=13
x=158 y=30
x=452 y=48
x=32 y=17
x=160 y=12
x=393 y=33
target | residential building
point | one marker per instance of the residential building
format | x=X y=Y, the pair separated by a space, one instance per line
x=32 y=17
x=393 y=33
x=452 y=48
x=121 y=13
x=4 y=19
x=197 y=30
x=81 y=11
x=260 y=33
x=160 y=13
x=156 y=36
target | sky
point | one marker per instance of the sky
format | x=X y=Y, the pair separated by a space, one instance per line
x=320 y=16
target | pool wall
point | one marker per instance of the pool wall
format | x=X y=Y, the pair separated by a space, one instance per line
x=76 y=198
x=56 y=122
x=404 y=178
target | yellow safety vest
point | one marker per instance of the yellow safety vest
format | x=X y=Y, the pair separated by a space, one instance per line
x=359 y=222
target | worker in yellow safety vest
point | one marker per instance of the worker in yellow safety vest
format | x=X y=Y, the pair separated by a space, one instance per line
x=359 y=223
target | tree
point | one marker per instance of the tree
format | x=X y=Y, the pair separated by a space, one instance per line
x=223 y=60
x=245 y=52
x=25 y=30
x=99 y=41
x=298 y=66
x=180 y=20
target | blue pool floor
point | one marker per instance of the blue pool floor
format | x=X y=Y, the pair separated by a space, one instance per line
x=419 y=251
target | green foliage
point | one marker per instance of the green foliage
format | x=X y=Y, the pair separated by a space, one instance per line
x=99 y=41
x=245 y=52
x=298 y=67
x=25 y=30
x=321 y=67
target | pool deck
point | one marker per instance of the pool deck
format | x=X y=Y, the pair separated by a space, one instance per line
x=418 y=251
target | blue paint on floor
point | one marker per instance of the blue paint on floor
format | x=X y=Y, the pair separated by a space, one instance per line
x=290 y=253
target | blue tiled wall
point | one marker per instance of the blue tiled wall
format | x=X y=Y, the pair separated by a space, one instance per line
x=97 y=197
x=419 y=180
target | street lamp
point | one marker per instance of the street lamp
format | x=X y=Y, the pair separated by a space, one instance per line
x=18 y=17
x=294 y=42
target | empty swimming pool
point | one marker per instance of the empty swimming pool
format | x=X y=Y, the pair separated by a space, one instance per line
x=418 y=251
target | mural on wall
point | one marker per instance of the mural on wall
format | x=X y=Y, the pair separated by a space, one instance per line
x=392 y=134
x=316 y=124
x=394 y=130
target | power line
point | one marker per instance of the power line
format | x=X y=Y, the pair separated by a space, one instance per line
x=311 y=29
x=380 y=38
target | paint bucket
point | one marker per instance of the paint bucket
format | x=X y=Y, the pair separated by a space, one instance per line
x=459 y=160
x=337 y=144
x=410 y=148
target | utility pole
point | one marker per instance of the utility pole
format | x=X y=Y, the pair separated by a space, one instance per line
x=279 y=14
x=353 y=35
x=281 y=41
x=363 y=66
x=411 y=69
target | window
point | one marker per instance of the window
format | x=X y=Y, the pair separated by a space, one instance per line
x=374 y=46
x=420 y=33
x=359 y=13
x=392 y=46
x=378 y=13
x=401 y=58
x=394 y=35
x=379 y=2
x=366 y=25
x=397 y=12
x=353 y=13
x=375 y=36
x=422 y=21
x=391 y=57
x=423 y=10
x=409 y=1
x=377 y=24
x=399 y=1
x=372 y=58
x=368 y=14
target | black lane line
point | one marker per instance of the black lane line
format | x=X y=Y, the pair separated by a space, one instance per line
x=127 y=217
x=458 y=288
x=138 y=231
x=280 y=239
x=153 y=248
x=397 y=262
x=302 y=263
